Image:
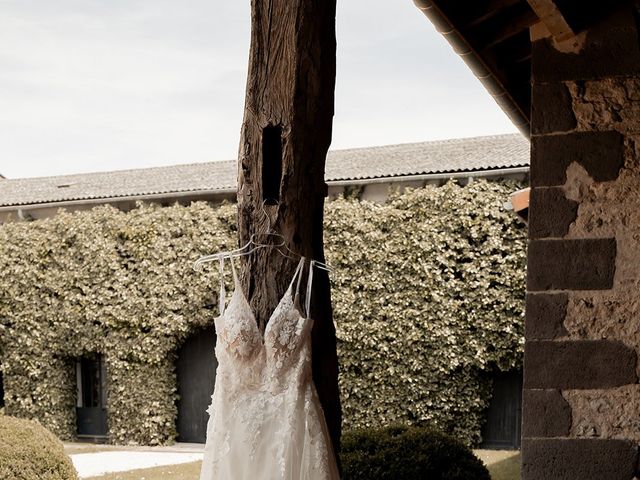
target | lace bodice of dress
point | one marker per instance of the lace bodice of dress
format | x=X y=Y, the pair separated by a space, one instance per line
x=267 y=358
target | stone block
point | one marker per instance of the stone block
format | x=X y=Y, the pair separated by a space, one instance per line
x=576 y=264
x=578 y=364
x=578 y=459
x=545 y=414
x=545 y=315
x=600 y=153
x=551 y=108
x=550 y=212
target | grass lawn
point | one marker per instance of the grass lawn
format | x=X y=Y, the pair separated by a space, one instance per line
x=184 y=471
x=502 y=464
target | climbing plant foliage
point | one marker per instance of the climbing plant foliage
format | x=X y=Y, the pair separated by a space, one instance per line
x=428 y=299
x=111 y=282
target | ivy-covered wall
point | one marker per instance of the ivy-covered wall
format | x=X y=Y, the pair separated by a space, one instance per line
x=428 y=297
x=110 y=282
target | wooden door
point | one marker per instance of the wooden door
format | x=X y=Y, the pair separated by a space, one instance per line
x=504 y=416
x=196 y=371
x=91 y=404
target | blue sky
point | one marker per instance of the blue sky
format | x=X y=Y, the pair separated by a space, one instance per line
x=92 y=85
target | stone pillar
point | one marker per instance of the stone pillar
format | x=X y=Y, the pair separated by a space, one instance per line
x=581 y=393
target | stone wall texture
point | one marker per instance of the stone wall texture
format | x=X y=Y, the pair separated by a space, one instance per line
x=583 y=301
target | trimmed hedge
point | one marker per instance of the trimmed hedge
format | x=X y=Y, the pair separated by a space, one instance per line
x=28 y=451
x=407 y=453
x=428 y=297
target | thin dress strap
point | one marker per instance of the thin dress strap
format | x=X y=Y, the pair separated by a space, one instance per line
x=236 y=282
x=223 y=293
x=299 y=274
x=307 y=298
x=296 y=275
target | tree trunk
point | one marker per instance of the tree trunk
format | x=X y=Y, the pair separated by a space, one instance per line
x=286 y=133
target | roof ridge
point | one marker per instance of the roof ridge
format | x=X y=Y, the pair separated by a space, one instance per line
x=123 y=170
x=432 y=142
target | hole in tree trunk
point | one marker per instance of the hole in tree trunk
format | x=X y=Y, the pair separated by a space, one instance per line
x=271 y=164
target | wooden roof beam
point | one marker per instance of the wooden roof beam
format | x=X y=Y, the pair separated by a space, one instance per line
x=495 y=33
x=551 y=16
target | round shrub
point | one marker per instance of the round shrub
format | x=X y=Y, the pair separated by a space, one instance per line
x=28 y=451
x=407 y=453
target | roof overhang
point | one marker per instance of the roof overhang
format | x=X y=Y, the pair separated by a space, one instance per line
x=493 y=38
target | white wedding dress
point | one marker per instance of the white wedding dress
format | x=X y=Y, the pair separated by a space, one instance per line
x=266 y=421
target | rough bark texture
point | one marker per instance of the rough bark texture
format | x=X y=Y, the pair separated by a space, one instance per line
x=290 y=86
